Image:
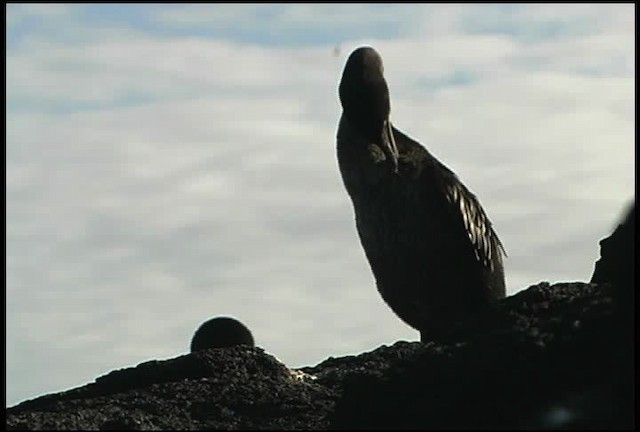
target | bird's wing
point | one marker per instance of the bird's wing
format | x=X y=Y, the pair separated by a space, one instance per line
x=485 y=241
x=462 y=203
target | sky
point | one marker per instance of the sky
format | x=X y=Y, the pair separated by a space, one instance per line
x=168 y=163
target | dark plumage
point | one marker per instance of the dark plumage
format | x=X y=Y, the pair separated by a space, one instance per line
x=435 y=257
x=221 y=332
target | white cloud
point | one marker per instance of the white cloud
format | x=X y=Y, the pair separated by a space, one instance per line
x=226 y=15
x=258 y=17
x=203 y=181
x=113 y=71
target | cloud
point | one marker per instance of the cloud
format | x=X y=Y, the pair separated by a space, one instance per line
x=157 y=177
x=112 y=73
x=18 y=12
x=259 y=17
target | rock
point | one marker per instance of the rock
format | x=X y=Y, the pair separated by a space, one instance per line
x=221 y=332
x=616 y=263
x=616 y=266
x=547 y=357
x=524 y=361
x=222 y=388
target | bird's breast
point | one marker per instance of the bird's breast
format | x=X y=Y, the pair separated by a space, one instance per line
x=366 y=168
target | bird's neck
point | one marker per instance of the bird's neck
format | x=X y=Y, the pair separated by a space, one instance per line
x=369 y=127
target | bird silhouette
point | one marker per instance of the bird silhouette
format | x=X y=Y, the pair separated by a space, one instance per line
x=433 y=252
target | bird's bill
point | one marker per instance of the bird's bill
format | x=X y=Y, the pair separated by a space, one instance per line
x=390 y=144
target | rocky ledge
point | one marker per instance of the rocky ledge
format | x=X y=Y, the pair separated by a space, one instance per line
x=550 y=357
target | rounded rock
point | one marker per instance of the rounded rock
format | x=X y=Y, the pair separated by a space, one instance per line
x=221 y=332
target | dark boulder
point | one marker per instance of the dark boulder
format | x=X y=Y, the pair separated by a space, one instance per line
x=221 y=332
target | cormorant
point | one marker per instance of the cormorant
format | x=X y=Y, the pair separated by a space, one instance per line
x=431 y=247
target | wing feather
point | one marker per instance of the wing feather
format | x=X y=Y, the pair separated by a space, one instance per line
x=485 y=242
x=463 y=203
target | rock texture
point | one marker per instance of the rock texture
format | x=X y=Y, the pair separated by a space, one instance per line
x=550 y=357
x=221 y=388
x=524 y=366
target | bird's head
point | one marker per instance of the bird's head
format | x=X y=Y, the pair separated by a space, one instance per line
x=364 y=96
